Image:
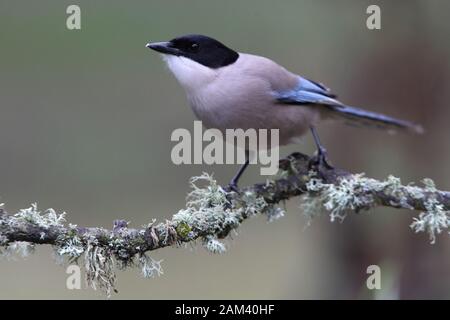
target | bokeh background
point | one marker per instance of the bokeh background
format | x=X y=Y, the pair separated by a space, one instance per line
x=86 y=118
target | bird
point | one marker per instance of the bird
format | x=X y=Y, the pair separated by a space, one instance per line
x=227 y=89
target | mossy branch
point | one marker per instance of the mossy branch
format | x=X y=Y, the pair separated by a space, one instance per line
x=212 y=213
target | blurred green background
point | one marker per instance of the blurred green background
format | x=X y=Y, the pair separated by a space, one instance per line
x=86 y=118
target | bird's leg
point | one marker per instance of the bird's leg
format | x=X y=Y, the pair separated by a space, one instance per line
x=233 y=185
x=320 y=160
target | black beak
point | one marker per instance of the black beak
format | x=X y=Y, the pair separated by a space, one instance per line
x=163 y=47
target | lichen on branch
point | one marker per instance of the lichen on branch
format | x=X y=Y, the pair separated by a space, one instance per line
x=211 y=213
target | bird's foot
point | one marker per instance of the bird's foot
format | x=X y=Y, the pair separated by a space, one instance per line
x=320 y=161
x=232 y=187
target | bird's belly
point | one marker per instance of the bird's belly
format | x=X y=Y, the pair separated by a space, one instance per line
x=292 y=121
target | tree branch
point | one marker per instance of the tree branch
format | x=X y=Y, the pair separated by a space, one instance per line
x=212 y=213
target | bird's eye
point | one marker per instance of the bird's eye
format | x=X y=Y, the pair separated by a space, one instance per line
x=194 y=46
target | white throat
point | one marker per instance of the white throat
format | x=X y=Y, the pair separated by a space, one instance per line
x=190 y=74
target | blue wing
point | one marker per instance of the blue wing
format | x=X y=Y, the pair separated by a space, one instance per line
x=312 y=93
x=307 y=92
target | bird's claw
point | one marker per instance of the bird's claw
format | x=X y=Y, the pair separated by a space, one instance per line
x=320 y=160
x=232 y=187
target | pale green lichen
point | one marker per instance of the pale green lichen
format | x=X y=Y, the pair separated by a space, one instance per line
x=71 y=247
x=274 y=213
x=205 y=213
x=100 y=250
x=21 y=248
x=3 y=241
x=46 y=219
x=211 y=195
x=209 y=215
x=99 y=265
x=253 y=204
x=356 y=192
x=149 y=267
x=204 y=208
x=311 y=206
x=209 y=212
x=429 y=184
x=213 y=245
x=350 y=194
x=31 y=215
x=433 y=221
